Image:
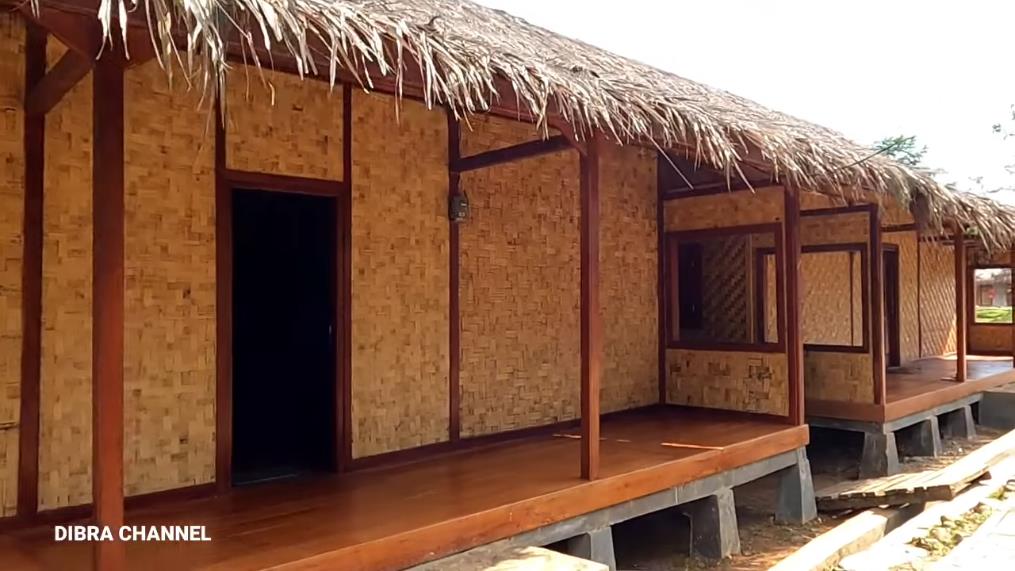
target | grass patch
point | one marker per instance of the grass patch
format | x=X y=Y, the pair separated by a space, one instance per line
x=993 y=315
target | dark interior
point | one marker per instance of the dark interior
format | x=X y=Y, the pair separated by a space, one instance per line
x=283 y=335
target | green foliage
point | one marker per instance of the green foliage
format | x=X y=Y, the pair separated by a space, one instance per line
x=902 y=148
x=993 y=314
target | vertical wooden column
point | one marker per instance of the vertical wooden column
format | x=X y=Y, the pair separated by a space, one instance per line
x=107 y=305
x=591 y=319
x=661 y=301
x=794 y=339
x=454 y=316
x=961 y=322
x=31 y=282
x=877 y=303
x=1011 y=301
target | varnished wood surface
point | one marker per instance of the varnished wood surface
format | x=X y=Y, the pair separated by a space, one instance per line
x=392 y=517
x=921 y=385
x=928 y=383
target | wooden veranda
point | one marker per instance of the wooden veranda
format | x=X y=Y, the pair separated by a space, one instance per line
x=394 y=516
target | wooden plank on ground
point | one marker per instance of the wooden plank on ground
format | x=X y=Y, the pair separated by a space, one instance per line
x=917 y=487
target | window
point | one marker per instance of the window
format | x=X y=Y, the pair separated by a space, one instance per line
x=992 y=295
x=712 y=284
x=833 y=298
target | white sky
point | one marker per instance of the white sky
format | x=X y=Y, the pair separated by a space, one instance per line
x=938 y=69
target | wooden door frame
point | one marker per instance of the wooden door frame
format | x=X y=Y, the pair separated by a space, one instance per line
x=227 y=182
x=893 y=341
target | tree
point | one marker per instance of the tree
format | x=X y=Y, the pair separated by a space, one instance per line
x=902 y=148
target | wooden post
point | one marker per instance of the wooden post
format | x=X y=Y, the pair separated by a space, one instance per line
x=107 y=306
x=591 y=323
x=1011 y=301
x=454 y=271
x=31 y=283
x=961 y=322
x=794 y=339
x=877 y=303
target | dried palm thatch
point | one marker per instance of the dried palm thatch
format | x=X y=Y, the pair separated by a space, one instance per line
x=466 y=54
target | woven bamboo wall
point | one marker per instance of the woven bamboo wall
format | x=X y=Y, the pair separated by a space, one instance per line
x=519 y=287
x=937 y=298
x=400 y=276
x=169 y=369
x=909 y=311
x=726 y=289
x=852 y=227
x=12 y=62
x=628 y=282
x=771 y=300
x=725 y=209
x=753 y=382
x=65 y=442
x=814 y=201
x=839 y=376
x=828 y=300
x=286 y=126
x=990 y=338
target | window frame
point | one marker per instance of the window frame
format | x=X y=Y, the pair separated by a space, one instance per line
x=671 y=281
x=861 y=248
x=971 y=296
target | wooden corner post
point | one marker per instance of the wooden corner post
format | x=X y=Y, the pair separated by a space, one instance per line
x=591 y=319
x=794 y=339
x=454 y=298
x=961 y=323
x=31 y=282
x=107 y=305
x=877 y=305
x=1011 y=297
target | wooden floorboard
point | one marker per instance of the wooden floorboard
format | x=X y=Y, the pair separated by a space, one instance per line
x=387 y=518
x=921 y=385
x=928 y=383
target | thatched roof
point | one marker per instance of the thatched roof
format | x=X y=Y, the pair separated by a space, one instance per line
x=465 y=52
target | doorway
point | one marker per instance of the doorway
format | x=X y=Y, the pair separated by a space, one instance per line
x=893 y=351
x=284 y=299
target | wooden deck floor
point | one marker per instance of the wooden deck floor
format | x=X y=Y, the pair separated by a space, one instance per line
x=387 y=518
x=927 y=383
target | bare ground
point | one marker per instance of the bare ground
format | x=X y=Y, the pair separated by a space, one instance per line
x=660 y=542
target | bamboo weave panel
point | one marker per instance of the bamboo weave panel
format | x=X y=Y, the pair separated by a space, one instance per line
x=520 y=289
x=937 y=298
x=628 y=279
x=12 y=42
x=65 y=400
x=752 y=382
x=400 y=353
x=169 y=369
x=278 y=123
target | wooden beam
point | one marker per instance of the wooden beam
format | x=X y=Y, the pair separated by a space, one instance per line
x=66 y=73
x=513 y=153
x=454 y=265
x=961 y=322
x=877 y=304
x=345 y=301
x=794 y=339
x=31 y=283
x=591 y=319
x=79 y=31
x=107 y=305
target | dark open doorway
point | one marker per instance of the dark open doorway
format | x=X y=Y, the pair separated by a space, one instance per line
x=893 y=351
x=283 y=335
